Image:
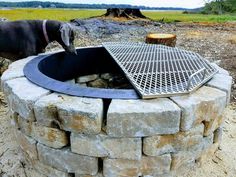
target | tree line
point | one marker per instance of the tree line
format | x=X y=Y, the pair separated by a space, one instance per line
x=37 y=4
x=219 y=7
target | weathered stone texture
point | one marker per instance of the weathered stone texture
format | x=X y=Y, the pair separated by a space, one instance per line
x=182 y=158
x=220 y=70
x=205 y=105
x=46 y=111
x=154 y=166
x=99 y=83
x=51 y=137
x=121 y=168
x=22 y=95
x=222 y=82
x=72 y=81
x=65 y=160
x=218 y=135
x=207 y=153
x=139 y=118
x=147 y=166
x=104 y=146
x=25 y=126
x=13 y=116
x=49 y=171
x=182 y=141
x=15 y=70
x=97 y=175
x=27 y=146
x=81 y=115
x=88 y=78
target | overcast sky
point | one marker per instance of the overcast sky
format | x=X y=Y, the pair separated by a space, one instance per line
x=151 y=3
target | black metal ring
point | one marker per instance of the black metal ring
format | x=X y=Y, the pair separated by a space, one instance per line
x=32 y=73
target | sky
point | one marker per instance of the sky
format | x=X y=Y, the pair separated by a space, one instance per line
x=150 y=3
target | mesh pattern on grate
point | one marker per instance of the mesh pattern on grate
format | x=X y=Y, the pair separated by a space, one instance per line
x=158 y=70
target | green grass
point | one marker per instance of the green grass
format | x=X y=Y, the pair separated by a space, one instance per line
x=50 y=14
x=171 y=16
x=68 y=14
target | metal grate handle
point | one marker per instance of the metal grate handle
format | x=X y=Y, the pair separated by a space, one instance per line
x=193 y=75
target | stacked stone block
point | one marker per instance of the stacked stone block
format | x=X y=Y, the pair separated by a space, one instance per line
x=62 y=135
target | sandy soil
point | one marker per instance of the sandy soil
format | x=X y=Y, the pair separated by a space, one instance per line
x=215 y=42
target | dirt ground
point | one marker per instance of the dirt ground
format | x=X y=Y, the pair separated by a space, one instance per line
x=215 y=42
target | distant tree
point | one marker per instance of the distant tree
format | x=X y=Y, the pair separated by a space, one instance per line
x=219 y=6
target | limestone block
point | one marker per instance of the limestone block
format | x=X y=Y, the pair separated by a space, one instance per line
x=15 y=70
x=27 y=146
x=212 y=125
x=106 y=76
x=147 y=166
x=121 y=168
x=72 y=81
x=154 y=166
x=220 y=70
x=65 y=160
x=97 y=175
x=81 y=115
x=22 y=96
x=208 y=141
x=162 y=175
x=45 y=109
x=207 y=153
x=222 y=82
x=139 y=118
x=206 y=104
x=184 y=158
x=99 y=83
x=51 y=137
x=88 y=78
x=49 y=171
x=182 y=141
x=25 y=126
x=104 y=146
x=218 y=135
x=13 y=116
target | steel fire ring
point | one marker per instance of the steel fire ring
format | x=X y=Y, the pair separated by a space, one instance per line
x=34 y=74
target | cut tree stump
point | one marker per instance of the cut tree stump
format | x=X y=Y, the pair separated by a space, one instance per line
x=128 y=13
x=164 y=39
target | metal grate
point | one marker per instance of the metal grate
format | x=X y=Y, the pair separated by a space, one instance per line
x=158 y=70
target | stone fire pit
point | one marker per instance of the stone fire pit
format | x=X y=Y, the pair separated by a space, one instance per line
x=63 y=135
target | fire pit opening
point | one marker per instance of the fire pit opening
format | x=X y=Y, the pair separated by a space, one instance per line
x=94 y=71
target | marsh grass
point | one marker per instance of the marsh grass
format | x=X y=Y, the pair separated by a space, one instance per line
x=68 y=14
x=178 y=16
x=50 y=14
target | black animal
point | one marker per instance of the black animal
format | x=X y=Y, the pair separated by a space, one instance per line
x=19 y=39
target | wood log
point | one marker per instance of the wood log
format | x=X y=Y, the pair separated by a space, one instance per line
x=159 y=38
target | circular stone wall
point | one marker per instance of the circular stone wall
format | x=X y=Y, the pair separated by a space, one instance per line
x=62 y=135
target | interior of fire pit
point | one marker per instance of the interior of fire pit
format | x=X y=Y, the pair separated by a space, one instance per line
x=62 y=66
x=52 y=71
